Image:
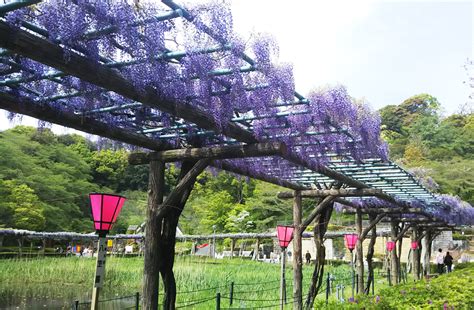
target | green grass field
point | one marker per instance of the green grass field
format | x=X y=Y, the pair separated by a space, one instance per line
x=56 y=282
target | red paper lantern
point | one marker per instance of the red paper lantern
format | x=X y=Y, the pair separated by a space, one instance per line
x=285 y=235
x=390 y=245
x=105 y=209
x=414 y=245
x=350 y=240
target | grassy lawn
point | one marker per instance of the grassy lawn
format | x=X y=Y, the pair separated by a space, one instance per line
x=68 y=279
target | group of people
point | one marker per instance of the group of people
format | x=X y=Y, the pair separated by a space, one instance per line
x=444 y=260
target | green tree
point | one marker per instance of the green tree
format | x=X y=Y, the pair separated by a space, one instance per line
x=27 y=209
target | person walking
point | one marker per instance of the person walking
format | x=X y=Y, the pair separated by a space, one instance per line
x=308 y=257
x=440 y=261
x=448 y=261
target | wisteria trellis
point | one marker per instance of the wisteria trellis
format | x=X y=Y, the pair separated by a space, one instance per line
x=192 y=56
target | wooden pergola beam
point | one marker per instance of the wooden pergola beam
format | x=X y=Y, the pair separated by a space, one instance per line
x=438 y=225
x=419 y=220
x=334 y=192
x=213 y=152
x=36 y=48
x=28 y=107
x=384 y=210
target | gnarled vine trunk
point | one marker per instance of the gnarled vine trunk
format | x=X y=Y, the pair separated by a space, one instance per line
x=319 y=230
x=162 y=221
x=370 y=255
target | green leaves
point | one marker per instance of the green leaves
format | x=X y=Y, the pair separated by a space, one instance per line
x=449 y=290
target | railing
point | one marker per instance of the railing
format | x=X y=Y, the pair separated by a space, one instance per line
x=228 y=295
x=122 y=302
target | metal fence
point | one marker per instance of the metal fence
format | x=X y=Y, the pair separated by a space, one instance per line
x=122 y=302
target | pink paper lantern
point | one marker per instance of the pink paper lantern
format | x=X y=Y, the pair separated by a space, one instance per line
x=285 y=235
x=414 y=245
x=350 y=241
x=390 y=246
x=105 y=209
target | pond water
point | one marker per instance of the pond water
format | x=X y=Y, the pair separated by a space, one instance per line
x=50 y=296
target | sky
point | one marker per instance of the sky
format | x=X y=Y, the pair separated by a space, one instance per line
x=382 y=51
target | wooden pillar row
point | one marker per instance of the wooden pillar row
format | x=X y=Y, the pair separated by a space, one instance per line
x=297 y=253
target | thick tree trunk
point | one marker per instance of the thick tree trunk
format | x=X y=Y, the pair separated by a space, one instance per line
x=370 y=255
x=297 y=254
x=427 y=253
x=394 y=266
x=151 y=275
x=359 y=254
x=168 y=236
x=161 y=227
x=320 y=227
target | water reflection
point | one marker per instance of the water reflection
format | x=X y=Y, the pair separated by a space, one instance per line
x=61 y=296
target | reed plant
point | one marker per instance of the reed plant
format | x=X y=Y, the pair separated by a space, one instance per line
x=197 y=279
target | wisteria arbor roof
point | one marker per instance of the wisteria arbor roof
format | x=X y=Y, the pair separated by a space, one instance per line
x=161 y=76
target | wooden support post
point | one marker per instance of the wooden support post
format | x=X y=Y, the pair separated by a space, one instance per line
x=100 y=271
x=257 y=248
x=398 y=245
x=232 y=248
x=416 y=254
x=359 y=254
x=211 y=250
x=283 y=279
x=370 y=255
x=151 y=275
x=297 y=254
x=20 y=246
x=426 y=241
x=393 y=254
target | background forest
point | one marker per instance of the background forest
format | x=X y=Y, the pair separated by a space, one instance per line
x=45 y=178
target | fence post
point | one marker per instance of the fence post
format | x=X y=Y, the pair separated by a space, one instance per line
x=231 y=293
x=218 y=301
x=76 y=305
x=328 y=287
x=357 y=283
x=373 y=283
x=353 y=283
x=137 y=301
